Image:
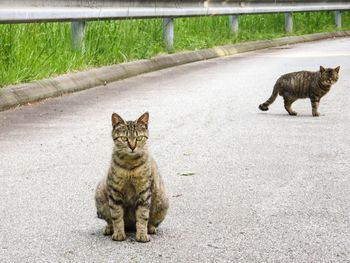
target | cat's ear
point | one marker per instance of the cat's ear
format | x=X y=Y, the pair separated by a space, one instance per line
x=322 y=69
x=337 y=69
x=144 y=119
x=116 y=120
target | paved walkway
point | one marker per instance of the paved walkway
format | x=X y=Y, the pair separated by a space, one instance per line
x=266 y=186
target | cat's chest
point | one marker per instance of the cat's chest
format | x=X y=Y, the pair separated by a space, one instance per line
x=130 y=184
x=129 y=192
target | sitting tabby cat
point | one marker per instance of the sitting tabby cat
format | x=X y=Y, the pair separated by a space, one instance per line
x=303 y=84
x=133 y=193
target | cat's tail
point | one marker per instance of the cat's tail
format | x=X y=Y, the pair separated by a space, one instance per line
x=266 y=104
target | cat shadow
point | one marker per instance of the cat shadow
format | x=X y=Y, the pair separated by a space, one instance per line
x=285 y=115
x=98 y=234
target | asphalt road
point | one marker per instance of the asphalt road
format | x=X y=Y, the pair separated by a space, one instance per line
x=267 y=187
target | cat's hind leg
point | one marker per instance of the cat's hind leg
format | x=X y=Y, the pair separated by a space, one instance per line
x=157 y=214
x=104 y=213
x=288 y=101
x=102 y=206
x=108 y=230
x=151 y=229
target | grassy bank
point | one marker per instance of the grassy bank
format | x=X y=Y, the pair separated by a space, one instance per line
x=35 y=51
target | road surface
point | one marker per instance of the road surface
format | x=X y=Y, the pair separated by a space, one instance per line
x=267 y=187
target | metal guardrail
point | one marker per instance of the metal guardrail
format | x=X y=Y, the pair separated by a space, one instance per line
x=79 y=11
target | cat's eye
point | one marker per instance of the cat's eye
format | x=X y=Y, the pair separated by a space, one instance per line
x=140 y=138
x=123 y=138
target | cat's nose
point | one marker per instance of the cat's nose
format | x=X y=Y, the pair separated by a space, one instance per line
x=132 y=145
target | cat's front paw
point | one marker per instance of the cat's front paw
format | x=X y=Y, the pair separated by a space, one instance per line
x=316 y=114
x=293 y=113
x=142 y=237
x=119 y=236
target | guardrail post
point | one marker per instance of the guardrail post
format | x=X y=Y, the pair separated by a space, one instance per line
x=233 y=23
x=168 y=25
x=338 y=18
x=78 y=35
x=288 y=19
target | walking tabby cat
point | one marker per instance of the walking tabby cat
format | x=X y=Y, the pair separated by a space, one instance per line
x=303 y=84
x=132 y=195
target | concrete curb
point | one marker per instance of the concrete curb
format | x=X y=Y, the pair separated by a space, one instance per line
x=21 y=94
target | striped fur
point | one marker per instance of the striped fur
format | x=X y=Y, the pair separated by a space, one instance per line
x=303 y=84
x=132 y=195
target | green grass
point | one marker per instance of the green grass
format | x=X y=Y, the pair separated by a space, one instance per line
x=35 y=51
